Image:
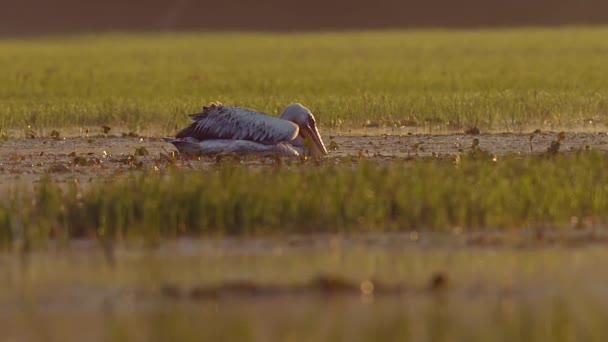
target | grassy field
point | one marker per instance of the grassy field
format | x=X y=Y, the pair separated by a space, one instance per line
x=493 y=79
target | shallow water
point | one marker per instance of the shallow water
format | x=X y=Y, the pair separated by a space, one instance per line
x=519 y=288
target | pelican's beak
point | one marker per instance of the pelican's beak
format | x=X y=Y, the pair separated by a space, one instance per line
x=310 y=131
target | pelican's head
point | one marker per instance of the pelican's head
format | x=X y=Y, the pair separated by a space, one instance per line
x=302 y=117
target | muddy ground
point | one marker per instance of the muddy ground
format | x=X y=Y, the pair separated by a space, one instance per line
x=86 y=159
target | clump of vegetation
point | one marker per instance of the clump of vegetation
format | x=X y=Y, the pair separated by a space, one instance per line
x=342 y=195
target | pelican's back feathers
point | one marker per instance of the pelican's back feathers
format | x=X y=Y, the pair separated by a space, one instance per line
x=228 y=122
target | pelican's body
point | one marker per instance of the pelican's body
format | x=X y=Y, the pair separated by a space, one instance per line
x=228 y=129
x=224 y=146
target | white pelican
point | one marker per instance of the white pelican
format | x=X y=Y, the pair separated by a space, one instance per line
x=228 y=129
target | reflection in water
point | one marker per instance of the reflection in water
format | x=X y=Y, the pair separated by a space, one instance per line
x=377 y=290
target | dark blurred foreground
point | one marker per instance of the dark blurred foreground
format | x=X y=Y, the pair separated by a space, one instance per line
x=53 y=16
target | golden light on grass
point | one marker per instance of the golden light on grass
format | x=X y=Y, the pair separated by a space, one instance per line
x=490 y=79
x=430 y=194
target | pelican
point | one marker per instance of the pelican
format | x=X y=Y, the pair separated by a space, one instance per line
x=229 y=129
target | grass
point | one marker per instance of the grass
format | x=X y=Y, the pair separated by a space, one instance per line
x=339 y=195
x=493 y=79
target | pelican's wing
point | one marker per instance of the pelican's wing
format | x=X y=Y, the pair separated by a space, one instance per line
x=220 y=146
x=227 y=122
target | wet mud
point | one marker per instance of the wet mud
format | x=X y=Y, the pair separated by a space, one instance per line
x=87 y=159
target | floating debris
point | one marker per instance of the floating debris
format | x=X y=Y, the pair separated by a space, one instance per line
x=333 y=145
x=141 y=151
x=556 y=144
x=130 y=135
x=29 y=133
